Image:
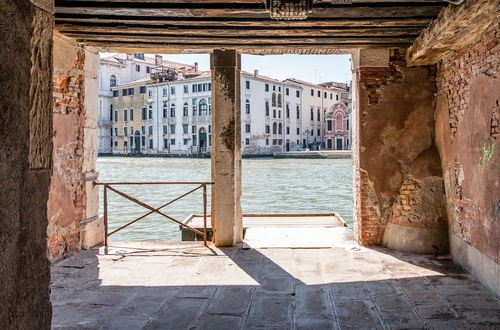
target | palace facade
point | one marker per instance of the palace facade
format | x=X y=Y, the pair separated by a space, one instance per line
x=169 y=112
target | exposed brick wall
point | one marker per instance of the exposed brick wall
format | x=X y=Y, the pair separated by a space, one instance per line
x=480 y=58
x=373 y=78
x=370 y=223
x=66 y=206
x=467 y=111
x=396 y=164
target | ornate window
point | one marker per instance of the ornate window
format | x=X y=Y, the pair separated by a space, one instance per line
x=203 y=107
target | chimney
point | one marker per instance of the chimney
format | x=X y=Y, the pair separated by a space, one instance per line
x=158 y=60
x=195 y=66
x=255 y=73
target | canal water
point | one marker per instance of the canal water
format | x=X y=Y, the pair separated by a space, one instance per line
x=269 y=186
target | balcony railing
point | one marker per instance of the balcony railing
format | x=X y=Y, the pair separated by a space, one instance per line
x=112 y=187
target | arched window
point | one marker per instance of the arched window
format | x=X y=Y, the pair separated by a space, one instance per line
x=185 y=110
x=275 y=128
x=279 y=100
x=112 y=81
x=247 y=107
x=172 y=110
x=280 y=129
x=273 y=100
x=267 y=108
x=203 y=107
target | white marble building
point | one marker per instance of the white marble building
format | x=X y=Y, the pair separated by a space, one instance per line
x=122 y=69
x=275 y=115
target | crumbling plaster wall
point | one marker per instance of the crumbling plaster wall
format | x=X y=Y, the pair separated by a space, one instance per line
x=25 y=162
x=467 y=134
x=73 y=200
x=398 y=184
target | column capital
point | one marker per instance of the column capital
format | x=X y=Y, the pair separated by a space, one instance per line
x=225 y=58
x=370 y=57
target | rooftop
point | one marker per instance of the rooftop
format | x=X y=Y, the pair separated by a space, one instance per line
x=148 y=60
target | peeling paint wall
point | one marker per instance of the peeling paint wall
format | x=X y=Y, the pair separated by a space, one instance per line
x=72 y=199
x=467 y=112
x=397 y=166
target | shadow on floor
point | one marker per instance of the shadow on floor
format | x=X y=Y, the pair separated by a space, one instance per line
x=194 y=287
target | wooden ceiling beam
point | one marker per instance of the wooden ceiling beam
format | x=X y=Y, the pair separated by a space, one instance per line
x=232 y=41
x=225 y=2
x=229 y=13
x=202 y=24
x=247 y=33
x=174 y=48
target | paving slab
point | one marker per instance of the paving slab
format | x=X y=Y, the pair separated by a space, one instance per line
x=178 y=313
x=218 y=322
x=313 y=301
x=315 y=323
x=348 y=291
x=271 y=310
x=231 y=300
x=357 y=314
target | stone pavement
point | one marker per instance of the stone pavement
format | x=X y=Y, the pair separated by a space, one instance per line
x=189 y=286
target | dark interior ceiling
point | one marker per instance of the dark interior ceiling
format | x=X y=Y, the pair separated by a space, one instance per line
x=194 y=26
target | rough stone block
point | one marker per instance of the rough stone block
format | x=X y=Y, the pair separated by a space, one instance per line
x=358 y=314
x=271 y=310
x=92 y=232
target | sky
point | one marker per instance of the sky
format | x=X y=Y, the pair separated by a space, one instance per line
x=312 y=68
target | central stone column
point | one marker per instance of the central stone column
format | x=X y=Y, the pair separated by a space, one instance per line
x=226 y=148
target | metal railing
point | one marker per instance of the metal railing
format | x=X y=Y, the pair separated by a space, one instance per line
x=109 y=186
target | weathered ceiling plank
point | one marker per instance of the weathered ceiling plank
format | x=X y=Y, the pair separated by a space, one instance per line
x=248 y=33
x=202 y=24
x=225 y=2
x=455 y=27
x=243 y=41
x=173 y=48
x=228 y=13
